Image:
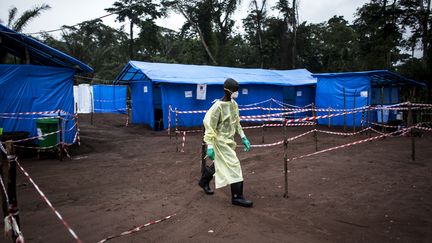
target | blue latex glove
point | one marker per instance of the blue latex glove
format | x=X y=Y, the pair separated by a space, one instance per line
x=210 y=153
x=246 y=143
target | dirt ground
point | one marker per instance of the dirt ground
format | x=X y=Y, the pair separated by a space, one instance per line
x=123 y=177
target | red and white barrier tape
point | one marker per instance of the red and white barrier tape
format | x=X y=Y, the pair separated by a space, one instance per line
x=257 y=103
x=110 y=101
x=420 y=104
x=136 y=229
x=301 y=135
x=266 y=145
x=36 y=137
x=109 y=109
x=346 y=145
x=32 y=113
x=383 y=125
x=425 y=128
x=4 y=190
x=74 y=235
x=344 y=133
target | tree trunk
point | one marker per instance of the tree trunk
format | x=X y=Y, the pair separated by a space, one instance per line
x=199 y=33
x=131 y=41
x=425 y=12
x=294 y=23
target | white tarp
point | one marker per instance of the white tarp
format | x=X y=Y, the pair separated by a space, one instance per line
x=83 y=96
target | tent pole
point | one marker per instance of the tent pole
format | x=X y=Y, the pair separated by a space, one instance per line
x=329 y=118
x=285 y=159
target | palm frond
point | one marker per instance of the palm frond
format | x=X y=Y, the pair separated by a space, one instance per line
x=24 y=19
x=12 y=13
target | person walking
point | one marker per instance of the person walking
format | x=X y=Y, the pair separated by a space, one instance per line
x=221 y=123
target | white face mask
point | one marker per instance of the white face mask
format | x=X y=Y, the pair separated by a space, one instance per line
x=234 y=95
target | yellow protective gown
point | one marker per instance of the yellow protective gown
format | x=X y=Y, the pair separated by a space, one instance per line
x=221 y=123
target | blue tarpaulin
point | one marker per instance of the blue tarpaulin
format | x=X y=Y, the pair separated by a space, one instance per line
x=156 y=86
x=109 y=99
x=363 y=87
x=30 y=88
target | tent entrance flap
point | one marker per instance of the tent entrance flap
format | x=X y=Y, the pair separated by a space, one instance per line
x=289 y=95
x=157 y=108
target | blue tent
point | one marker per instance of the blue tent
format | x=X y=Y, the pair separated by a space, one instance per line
x=363 y=87
x=44 y=82
x=156 y=86
x=109 y=99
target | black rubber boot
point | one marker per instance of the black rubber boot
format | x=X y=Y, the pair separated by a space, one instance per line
x=237 y=195
x=206 y=177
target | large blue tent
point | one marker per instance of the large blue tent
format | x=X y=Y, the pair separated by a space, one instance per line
x=156 y=86
x=42 y=81
x=109 y=99
x=333 y=90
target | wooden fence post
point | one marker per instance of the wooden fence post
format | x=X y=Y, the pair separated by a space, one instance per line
x=11 y=184
x=410 y=123
x=315 y=127
x=285 y=160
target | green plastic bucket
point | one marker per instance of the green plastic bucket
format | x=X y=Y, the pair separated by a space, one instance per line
x=45 y=126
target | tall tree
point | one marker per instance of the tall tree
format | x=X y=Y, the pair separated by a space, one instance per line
x=417 y=17
x=134 y=10
x=198 y=15
x=18 y=24
x=379 y=34
x=254 y=25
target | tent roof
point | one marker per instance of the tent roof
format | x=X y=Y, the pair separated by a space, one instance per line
x=378 y=77
x=203 y=74
x=15 y=43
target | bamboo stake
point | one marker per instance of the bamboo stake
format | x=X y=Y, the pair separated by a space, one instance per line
x=382 y=110
x=11 y=184
x=410 y=123
x=176 y=130
x=315 y=127
x=203 y=152
x=60 y=127
x=262 y=129
x=285 y=160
